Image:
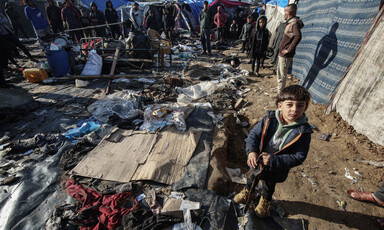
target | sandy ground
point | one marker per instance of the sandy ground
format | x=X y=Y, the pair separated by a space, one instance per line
x=312 y=189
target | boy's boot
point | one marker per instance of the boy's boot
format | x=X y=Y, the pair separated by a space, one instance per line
x=262 y=209
x=242 y=196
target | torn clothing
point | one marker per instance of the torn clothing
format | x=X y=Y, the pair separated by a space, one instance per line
x=105 y=211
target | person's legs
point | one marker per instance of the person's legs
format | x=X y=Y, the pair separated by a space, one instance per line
x=282 y=71
x=267 y=190
x=203 y=40
x=253 y=65
x=258 y=64
x=11 y=38
x=208 y=39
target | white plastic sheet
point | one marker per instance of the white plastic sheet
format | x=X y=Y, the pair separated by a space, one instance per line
x=123 y=104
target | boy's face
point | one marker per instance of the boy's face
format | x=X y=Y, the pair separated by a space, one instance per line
x=292 y=110
x=249 y=20
x=262 y=23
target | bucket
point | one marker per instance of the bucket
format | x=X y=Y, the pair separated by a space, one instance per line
x=58 y=61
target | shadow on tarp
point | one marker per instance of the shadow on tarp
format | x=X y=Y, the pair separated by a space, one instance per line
x=28 y=204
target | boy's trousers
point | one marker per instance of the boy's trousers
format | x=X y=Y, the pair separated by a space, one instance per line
x=267 y=188
x=282 y=71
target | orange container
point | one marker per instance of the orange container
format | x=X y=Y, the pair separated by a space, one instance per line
x=35 y=74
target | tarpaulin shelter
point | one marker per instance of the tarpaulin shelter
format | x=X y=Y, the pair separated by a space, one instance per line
x=333 y=32
x=360 y=99
x=229 y=6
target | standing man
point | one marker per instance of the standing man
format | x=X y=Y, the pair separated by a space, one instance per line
x=205 y=31
x=54 y=17
x=14 y=18
x=167 y=23
x=34 y=14
x=220 y=20
x=111 y=16
x=97 y=18
x=291 y=38
x=136 y=18
x=72 y=19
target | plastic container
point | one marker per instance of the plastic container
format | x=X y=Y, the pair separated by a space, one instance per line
x=35 y=74
x=58 y=61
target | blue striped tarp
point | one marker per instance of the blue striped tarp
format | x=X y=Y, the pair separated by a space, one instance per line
x=333 y=31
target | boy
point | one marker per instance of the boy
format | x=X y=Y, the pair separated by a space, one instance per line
x=259 y=43
x=234 y=29
x=281 y=139
x=246 y=33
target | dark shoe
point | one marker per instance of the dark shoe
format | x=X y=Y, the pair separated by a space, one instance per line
x=209 y=54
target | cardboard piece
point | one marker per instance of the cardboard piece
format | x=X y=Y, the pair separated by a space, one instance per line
x=125 y=155
x=117 y=161
x=168 y=160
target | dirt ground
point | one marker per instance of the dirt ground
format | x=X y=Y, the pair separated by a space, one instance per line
x=312 y=189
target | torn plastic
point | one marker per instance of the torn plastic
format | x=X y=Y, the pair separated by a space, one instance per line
x=86 y=127
x=194 y=92
x=93 y=65
x=122 y=104
x=186 y=206
x=156 y=117
x=217 y=119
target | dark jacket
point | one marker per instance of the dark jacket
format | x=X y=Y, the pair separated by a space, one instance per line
x=167 y=21
x=291 y=37
x=293 y=152
x=96 y=15
x=151 y=22
x=71 y=16
x=53 y=14
x=246 y=31
x=111 y=15
x=205 y=19
x=12 y=15
x=259 y=40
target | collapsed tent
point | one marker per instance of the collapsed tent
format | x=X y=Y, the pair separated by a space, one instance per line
x=359 y=98
x=333 y=32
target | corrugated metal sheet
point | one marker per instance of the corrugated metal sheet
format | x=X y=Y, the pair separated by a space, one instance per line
x=360 y=97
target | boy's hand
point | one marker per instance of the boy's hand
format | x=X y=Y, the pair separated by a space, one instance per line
x=266 y=158
x=252 y=159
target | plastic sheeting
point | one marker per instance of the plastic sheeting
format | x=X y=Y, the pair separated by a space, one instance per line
x=122 y=104
x=28 y=203
x=360 y=97
x=197 y=169
x=332 y=34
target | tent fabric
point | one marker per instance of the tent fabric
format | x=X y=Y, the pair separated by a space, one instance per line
x=360 y=99
x=281 y=3
x=101 y=3
x=228 y=4
x=332 y=34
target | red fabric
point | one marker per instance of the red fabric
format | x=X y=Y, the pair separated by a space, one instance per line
x=109 y=213
x=229 y=4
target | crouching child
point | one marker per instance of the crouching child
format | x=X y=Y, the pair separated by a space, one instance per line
x=280 y=141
